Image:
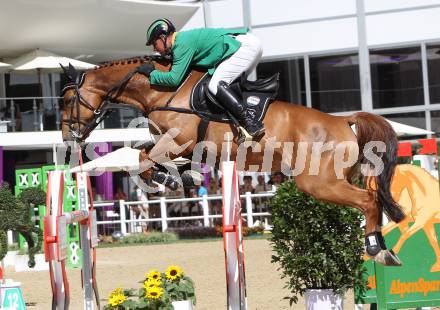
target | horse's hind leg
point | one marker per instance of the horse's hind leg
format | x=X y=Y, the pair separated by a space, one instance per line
x=343 y=193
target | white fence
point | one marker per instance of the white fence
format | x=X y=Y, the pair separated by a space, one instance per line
x=126 y=221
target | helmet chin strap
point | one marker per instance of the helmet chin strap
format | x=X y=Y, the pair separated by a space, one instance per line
x=164 y=41
x=165 y=45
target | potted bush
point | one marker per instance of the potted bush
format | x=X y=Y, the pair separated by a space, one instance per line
x=16 y=214
x=318 y=247
x=171 y=290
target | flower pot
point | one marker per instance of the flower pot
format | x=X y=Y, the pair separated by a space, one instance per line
x=323 y=299
x=183 y=305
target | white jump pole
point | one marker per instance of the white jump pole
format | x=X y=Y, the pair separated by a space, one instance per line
x=55 y=240
x=233 y=237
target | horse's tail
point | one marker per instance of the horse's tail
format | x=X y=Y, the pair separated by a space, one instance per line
x=370 y=127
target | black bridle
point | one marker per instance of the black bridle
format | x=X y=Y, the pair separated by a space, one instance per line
x=77 y=100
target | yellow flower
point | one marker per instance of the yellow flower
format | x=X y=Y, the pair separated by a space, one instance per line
x=117 y=291
x=153 y=274
x=154 y=292
x=174 y=272
x=117 y=299
x=151 y=282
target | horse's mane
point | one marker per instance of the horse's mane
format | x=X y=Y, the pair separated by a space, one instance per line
x=132 y=60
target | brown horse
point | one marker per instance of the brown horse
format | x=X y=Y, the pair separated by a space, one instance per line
x=287 y=124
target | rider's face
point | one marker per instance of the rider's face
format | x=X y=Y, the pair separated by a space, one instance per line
x=159 y=46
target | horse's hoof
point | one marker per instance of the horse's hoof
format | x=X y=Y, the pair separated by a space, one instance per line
x=387 y=258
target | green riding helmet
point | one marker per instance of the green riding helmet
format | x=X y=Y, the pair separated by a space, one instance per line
x=159 y=27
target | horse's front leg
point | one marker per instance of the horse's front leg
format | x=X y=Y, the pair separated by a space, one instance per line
x=152 y=170
x=161 y=155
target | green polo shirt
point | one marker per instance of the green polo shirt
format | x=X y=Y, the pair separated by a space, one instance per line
x=204 y=47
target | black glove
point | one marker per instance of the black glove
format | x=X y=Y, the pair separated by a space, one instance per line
x=146 y=69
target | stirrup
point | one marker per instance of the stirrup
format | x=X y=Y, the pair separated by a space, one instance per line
x=243 y=136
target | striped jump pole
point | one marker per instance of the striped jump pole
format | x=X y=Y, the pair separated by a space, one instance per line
x=233 y=238
x=55 y=240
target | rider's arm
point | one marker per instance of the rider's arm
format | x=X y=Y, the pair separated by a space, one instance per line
x=182 y=58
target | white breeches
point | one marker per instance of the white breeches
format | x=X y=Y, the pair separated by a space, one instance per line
x=245 y=59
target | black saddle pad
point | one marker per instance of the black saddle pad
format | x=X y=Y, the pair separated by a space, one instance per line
x=256 y=102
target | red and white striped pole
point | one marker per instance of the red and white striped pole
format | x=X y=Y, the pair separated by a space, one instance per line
x=233 y=238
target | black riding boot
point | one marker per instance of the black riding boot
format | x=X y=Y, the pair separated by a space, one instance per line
x=229 y=100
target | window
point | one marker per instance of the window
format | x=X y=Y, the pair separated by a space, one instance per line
x=335 y=83
x=435 y=122
x=433 y=55
x=292 y=81
x=396 y=77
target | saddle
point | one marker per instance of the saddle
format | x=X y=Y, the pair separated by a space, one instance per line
x=256 y=95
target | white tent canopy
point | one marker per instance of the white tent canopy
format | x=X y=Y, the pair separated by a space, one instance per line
x=47 y=61
x=406 y=130
x=89 y=30
x=125 y=159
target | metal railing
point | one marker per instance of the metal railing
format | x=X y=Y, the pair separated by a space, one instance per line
x=127 y=222
x=30 y=111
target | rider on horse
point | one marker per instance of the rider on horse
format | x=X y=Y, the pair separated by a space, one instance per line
x=226 y=53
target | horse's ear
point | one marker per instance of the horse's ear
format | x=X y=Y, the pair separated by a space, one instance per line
x=72 y=72
x=66 y=73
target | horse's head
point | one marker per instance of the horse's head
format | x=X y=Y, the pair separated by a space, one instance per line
x=82 y=106
x=86 y=95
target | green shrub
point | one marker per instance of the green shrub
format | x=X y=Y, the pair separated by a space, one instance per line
x=153 y=237
x=318 y=245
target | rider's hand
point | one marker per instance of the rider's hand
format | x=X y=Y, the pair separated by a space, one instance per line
x=146 y=69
